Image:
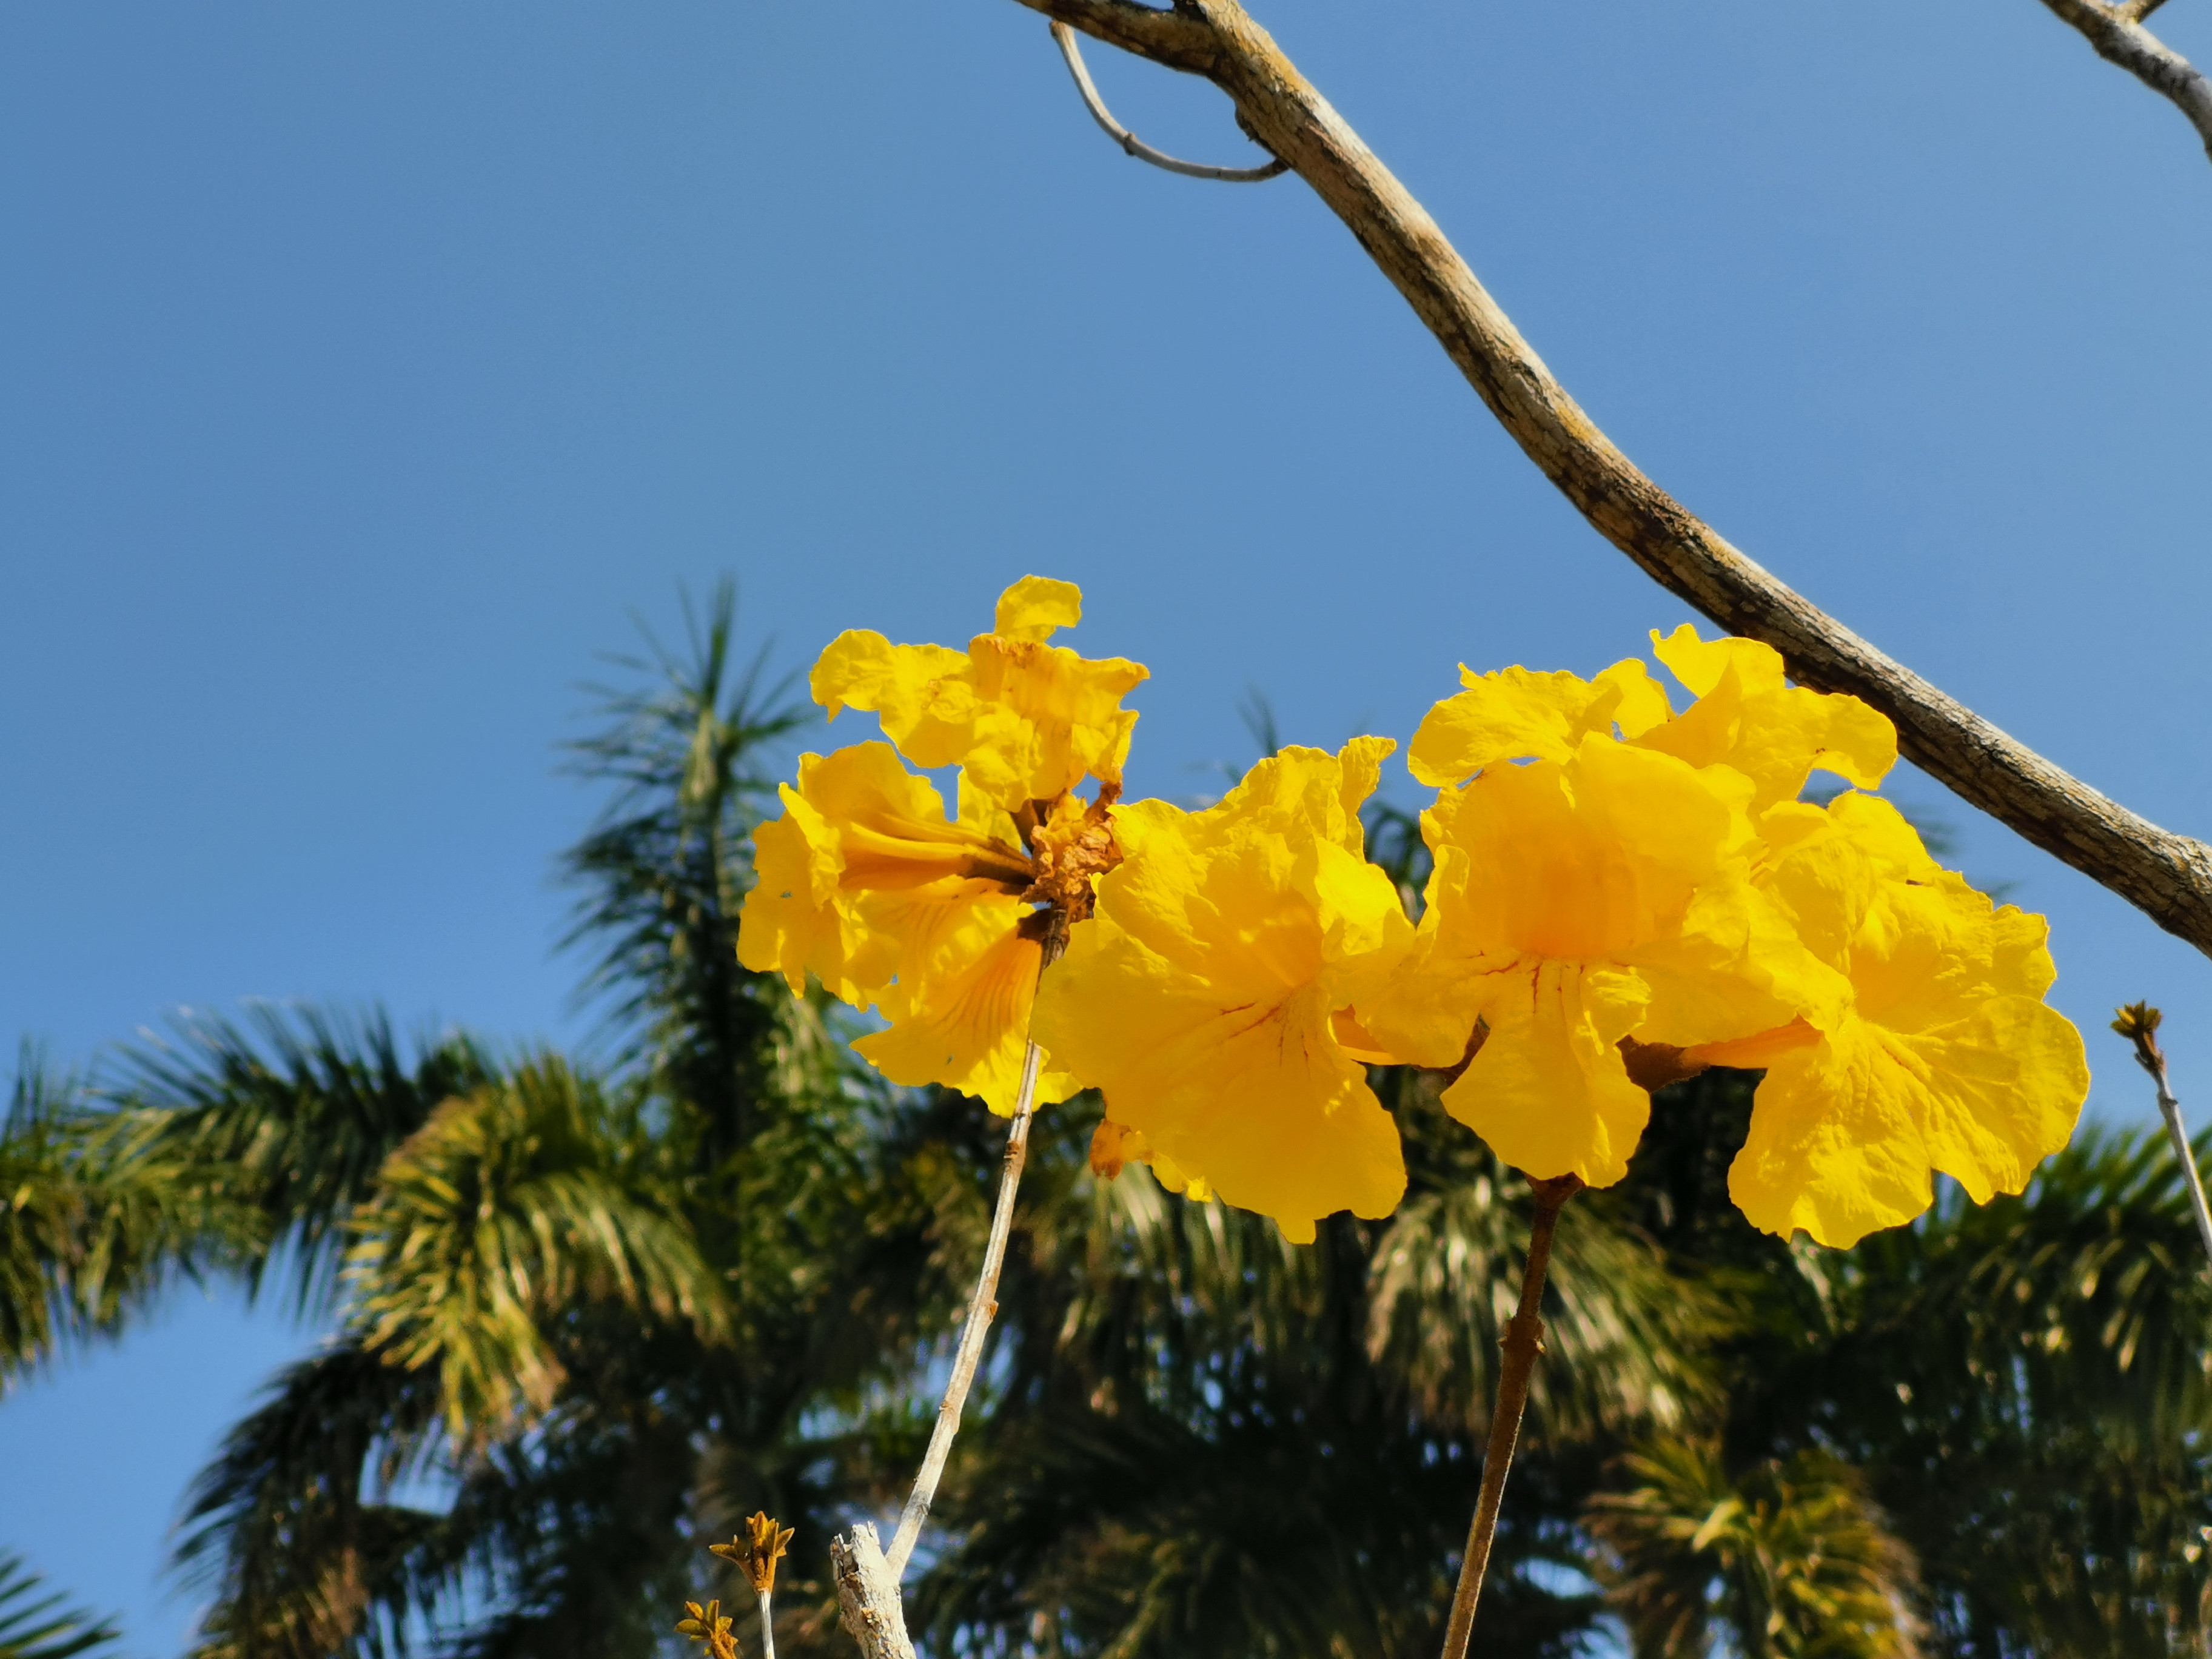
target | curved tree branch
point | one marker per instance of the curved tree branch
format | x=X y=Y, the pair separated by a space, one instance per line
x=2117 y=32
x=2167 y=876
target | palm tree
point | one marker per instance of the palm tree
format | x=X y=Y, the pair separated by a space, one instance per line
x=598 y=1310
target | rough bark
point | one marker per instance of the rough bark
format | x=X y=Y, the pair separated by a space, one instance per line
x=2117 y=33
x=868 y=1595
x=2168 y=877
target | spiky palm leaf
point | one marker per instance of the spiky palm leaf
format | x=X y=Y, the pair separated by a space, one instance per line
x=532 y=1200
x=300 y=1106
x=98 y=1210
x=35 y=1625
x=668 y=863
x=1791 y=1557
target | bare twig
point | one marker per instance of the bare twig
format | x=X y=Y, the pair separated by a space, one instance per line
x=1524 y=1340
x=2138 y=1022
x=2167 y=876
x=2117 y=32
x=984 y=1304
x=1136 y=147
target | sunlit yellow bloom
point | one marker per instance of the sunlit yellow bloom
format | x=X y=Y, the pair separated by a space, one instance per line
x=1576 y=902
x=1201 y=997
x=1934 y=1050
x=1025 y=719
x=865 y=883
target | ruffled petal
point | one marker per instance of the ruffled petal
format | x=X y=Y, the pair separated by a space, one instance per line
x=963 y=1018
x=1201 y=997
x=1549 y=1089
x=1034 y=606
x=1944 y=1058
x=1517 y=714
x=1748 y=718
x=1025 y=719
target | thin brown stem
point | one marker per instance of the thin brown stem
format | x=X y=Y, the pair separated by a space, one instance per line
x=984 y=1304
x=1524 y=1340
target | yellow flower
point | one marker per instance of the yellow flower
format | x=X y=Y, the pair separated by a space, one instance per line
x=1024 y=718
x=1203 y=997
x=1576 y=902
x=1934 y=1051
x=865 y=883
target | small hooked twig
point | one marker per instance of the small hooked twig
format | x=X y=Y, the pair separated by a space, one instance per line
x=1136 y=146
x=2138 y=1022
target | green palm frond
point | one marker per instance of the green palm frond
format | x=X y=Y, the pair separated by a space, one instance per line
x=1791 y=1558
x=300 y=1106
x=98 y=1210
x=694 y=761
x=284 y=1527
x=34 y=1625
x=512 y=1208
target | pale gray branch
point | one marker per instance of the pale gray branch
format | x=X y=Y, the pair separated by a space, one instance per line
x=1136 y=146
x=2167 y=876
x=2117 y=33
x=868 y=1595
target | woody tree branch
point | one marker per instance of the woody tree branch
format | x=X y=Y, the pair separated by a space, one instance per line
x=2117 y=32
x=2166 y=876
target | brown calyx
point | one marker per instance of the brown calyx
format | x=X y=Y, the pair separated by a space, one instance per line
x=1069 y=851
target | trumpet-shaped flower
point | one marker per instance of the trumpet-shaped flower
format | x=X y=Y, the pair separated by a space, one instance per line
x=1575 y=902
x=1207 y=998
x=864 y=883
x=1024 y=718
x=1934 y=1049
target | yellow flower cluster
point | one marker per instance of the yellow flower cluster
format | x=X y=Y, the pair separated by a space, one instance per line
x=864 y=883
x=1616 y=885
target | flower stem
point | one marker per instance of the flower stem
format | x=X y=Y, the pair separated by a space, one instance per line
x=767 y=1627
x=984 y=1304
x=2170 y=1109
x=1524 y=1340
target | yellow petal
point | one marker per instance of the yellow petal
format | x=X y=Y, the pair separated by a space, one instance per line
x=1200 y=998
x=1778 y=735
x=1549 y=1091
x=858 y=824
x=962 y=1019
x=1701 y=664
x=1258 y=1102
x=1947 y=1060
x=1517 y=714
x=1035 y=605
x=791 y=923
x=1027 y=719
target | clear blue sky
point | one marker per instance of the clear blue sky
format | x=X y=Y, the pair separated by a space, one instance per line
x=361 y=368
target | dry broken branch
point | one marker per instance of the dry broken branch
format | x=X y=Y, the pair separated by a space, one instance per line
x=2167 y=876
x=1065 y=38
x=2117 y=33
